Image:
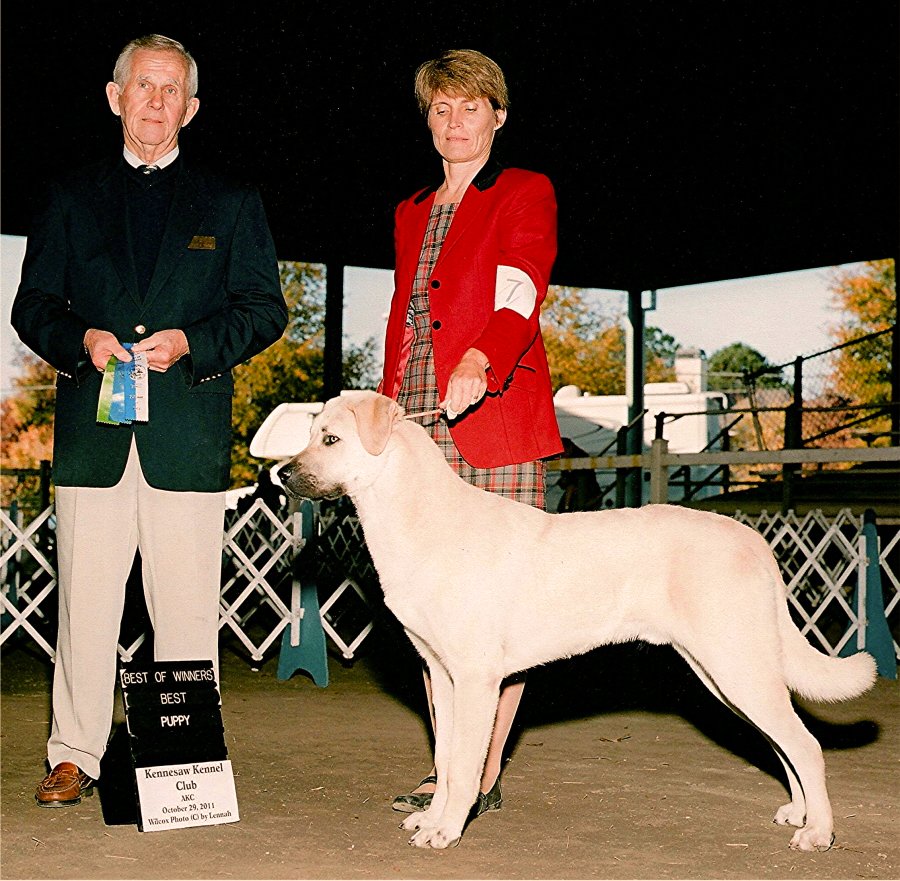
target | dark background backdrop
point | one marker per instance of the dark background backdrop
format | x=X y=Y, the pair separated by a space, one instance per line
x=688 y=141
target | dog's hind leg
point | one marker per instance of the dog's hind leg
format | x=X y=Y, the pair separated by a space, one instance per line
x=755 y=688
x=794 y=812
x=475 y=697
x=781 y=724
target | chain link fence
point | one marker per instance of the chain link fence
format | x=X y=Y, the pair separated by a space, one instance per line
x=839 y=397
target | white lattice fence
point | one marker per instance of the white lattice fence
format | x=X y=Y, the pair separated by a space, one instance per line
x=258 y=600
x=823 y=560
x=28 y=576
x=346 y=614
x=888 y=557
x=256 y=567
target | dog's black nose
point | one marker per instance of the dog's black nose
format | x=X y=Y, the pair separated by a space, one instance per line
x=284 y=473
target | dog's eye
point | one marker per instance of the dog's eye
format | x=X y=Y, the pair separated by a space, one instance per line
x=330 y=439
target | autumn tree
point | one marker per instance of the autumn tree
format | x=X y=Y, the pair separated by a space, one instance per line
x=735 y=367
x=866 y=296
x=859 y=368
x=660 y=349
x=293 y=369
x=752 y=383
x=585 y=344
x=27 y=428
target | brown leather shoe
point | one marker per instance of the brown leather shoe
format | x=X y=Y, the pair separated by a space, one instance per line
x=63 y=786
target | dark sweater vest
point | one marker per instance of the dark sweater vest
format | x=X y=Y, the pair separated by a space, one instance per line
x=148 y=199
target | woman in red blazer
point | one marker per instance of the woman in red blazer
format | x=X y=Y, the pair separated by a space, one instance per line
x=463 y=346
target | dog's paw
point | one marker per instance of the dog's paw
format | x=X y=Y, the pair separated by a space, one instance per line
x=811 y=839
x=412 y=822
x=790 y=815
x=439 y=839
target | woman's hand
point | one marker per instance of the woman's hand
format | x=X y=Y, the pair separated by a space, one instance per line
x=467 y=385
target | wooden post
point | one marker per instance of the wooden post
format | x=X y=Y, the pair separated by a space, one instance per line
x=621 y=473
x=659 y=472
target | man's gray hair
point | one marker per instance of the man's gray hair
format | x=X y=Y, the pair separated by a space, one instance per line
x=158 y=42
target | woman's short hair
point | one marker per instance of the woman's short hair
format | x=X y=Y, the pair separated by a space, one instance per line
x=157 y=42
x=461 y=73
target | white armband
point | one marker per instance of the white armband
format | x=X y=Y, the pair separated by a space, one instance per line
x=515 y=290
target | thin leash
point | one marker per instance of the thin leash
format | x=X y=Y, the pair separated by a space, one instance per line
x=423 y=413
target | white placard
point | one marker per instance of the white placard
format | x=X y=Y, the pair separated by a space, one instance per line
x=193 y=794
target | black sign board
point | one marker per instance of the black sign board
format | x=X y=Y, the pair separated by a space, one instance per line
x=171 y=748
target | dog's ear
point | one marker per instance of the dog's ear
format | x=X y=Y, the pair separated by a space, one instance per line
x=375 y=417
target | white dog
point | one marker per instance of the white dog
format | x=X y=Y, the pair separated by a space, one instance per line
x=485 y=587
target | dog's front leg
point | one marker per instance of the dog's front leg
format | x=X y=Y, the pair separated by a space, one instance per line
x=474 y=701
x=442 y=705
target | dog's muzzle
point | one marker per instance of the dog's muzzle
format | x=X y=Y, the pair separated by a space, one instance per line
x=285 y=475
x=294 y=481
x=299 y=484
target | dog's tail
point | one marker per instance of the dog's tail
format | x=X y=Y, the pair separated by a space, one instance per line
x=815 y=675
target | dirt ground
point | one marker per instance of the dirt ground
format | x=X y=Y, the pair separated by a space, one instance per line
x=623 y=766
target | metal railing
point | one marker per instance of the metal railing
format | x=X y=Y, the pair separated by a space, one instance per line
x=717 y=464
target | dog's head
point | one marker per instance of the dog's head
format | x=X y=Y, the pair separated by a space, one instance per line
x=351 y=431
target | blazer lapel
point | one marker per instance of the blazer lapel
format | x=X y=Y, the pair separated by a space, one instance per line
x=110 y=211
x=189 y=206
x=469 y=207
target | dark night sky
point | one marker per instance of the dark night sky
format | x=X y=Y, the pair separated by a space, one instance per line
x=688 y=141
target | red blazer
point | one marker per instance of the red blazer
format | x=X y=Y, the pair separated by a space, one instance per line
x=508 y=217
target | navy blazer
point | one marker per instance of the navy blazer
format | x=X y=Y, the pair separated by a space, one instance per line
x=216 y=278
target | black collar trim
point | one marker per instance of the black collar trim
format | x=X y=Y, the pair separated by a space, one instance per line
x=484 y=180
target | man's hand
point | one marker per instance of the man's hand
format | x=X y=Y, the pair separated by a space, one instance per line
x=467 y=384
x=101 y=345
x=163 y=349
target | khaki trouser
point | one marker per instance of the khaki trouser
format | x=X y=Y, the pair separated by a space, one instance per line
x=179 y=535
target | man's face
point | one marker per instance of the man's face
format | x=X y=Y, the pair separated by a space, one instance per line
x=154 y=103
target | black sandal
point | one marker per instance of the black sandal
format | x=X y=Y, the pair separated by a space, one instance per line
x=487 y=801
x=412 y=801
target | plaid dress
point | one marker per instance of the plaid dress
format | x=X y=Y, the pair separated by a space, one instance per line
x=419 y=392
